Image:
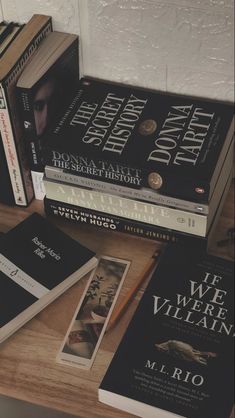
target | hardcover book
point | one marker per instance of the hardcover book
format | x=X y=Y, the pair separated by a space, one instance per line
x=13 y=62
x=38 y=262
x=44 y=89
x=138 y=138
x=180 y=362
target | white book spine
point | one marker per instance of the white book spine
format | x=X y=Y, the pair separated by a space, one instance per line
x=11 y=152
x=38 y=186
x=166 y=217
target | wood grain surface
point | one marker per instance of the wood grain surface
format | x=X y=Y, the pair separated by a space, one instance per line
x=28 y=367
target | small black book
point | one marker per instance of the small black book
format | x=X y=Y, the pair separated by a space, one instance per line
x=38 y=262
x=173 y=144
x=176 y=357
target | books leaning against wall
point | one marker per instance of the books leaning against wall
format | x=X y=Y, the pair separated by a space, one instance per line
x=15 y=58
x=44 y=88
x=176 y=358
x=8 y=32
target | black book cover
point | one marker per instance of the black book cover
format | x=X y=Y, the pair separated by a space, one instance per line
x=35 y=258
x=48 y=96
x=140 y=138
x=177 y=353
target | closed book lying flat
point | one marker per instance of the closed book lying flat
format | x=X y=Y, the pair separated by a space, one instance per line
x=176 y=357
x=172 y=144
x=38 y=262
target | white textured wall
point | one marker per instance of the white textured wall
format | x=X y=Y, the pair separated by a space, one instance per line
x=181 y=46
x=64 y=12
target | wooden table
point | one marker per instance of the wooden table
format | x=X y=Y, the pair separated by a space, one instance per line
x=28 y=367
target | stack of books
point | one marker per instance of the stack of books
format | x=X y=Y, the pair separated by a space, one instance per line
x=152 y=164
x=16 y=56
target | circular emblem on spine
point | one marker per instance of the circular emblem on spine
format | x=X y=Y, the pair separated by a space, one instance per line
x=155 y=181
x=181 y=220
x=200 y=190
x=147 y=127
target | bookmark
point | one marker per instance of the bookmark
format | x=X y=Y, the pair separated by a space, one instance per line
x=91 y=317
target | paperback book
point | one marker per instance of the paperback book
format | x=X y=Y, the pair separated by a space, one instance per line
x=44 y=89
x=138 y=138
x=38 y=262
x=6 y=194
x=176 y=357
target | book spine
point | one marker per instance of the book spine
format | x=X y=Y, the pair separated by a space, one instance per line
x=30 y=133
x=92 y=217
x=6 y=194
x=11 y=153
x=147 y=195
x=11 y=127
x=136 y=178
x=10 y=38
x=157 y=215
x=38 y=186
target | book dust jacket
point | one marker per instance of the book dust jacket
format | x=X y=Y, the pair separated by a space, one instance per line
x=177 y=354
x=139 y=138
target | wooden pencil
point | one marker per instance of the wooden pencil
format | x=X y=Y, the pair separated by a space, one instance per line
x=119 y=311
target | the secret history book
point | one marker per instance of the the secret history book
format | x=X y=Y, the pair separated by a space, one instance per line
x=38 y=262
x=176 y=357
x=138 y=138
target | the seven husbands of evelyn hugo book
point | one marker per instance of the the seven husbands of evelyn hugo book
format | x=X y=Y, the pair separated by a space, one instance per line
x=176 y=357
x=38 y=262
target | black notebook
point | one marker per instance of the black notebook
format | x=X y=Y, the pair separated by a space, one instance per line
x=176 y=357
x=38 y=262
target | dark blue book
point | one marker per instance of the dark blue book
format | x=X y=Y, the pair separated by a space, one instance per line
x=176 y=357
x=38 y=262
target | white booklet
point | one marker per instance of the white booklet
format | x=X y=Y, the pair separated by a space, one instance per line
x=91 y=317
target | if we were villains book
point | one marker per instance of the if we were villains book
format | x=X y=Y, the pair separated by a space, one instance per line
x=176 y=358
x=38 y=262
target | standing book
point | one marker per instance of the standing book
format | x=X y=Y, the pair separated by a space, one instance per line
x=6 y=193
x=13 y=62
x=135 y=137
x=176 y=357
x=44 y=89
x=38 y=262
x=8 y=35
